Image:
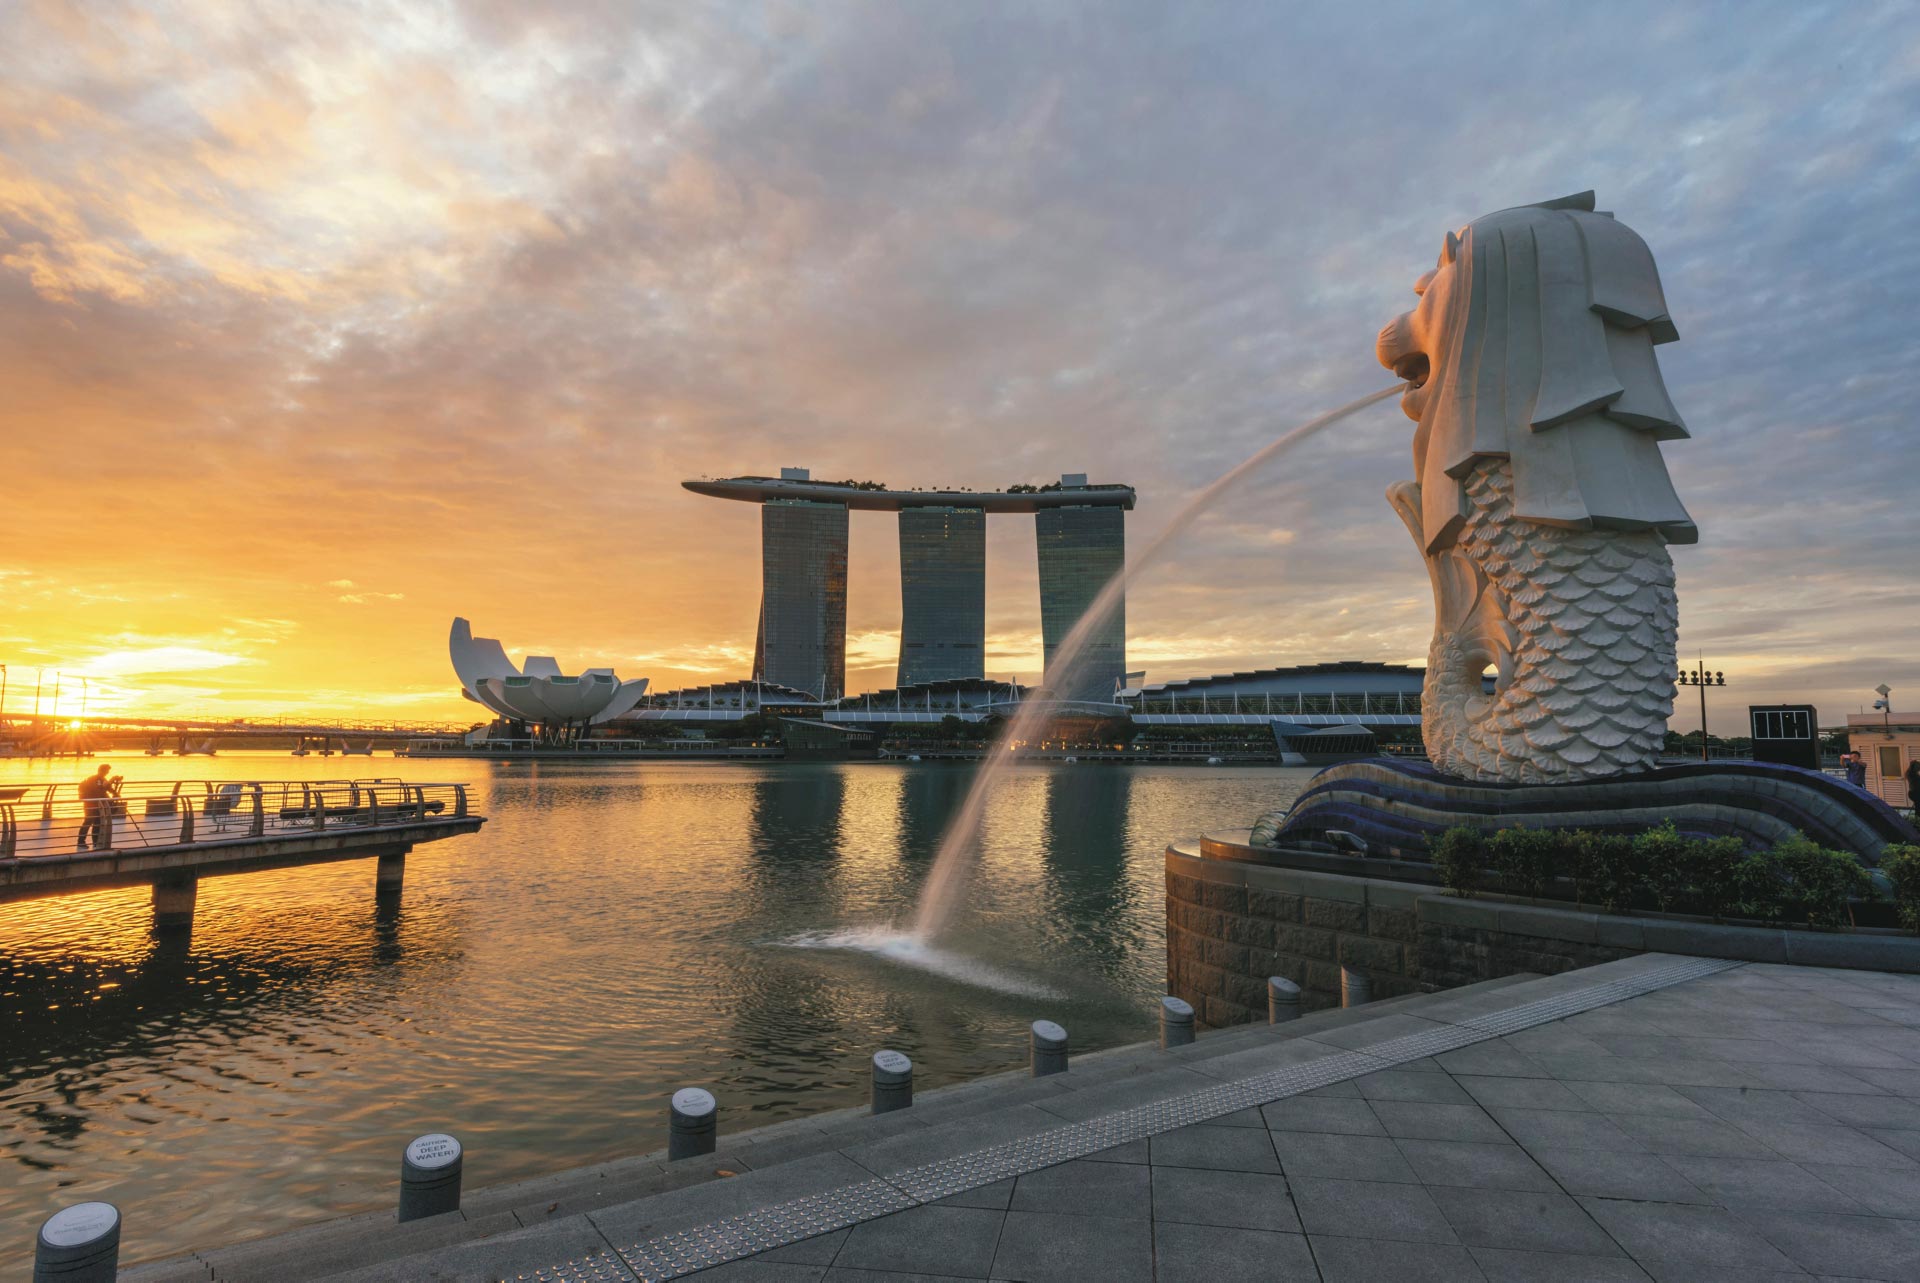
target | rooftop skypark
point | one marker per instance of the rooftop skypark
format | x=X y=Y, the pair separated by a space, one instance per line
x=801 y=638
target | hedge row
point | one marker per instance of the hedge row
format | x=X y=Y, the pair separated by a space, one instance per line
x=1796 y=881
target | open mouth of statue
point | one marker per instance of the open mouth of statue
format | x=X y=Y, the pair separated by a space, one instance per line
x=1413 y=368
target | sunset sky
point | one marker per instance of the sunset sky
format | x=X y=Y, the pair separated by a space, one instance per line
x=320 y=324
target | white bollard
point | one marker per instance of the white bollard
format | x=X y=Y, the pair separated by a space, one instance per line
x=1176 y=1022
x=1047 y=1049
x=1283 y=1000
x=694 y=1125
x=892 y=1081
x=78 y=1244
x=1353 y=988
x=430 y=1176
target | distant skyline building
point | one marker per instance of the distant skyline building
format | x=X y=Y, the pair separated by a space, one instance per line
x=802 y=641
x=802 y=632
x=1081 y=549
x=943 y=595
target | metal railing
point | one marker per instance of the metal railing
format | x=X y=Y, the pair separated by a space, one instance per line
x=1281 y=704
x=42 y=820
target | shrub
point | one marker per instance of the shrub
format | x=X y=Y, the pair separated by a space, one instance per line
x=1821 y=881
x=1603 y=864
x=1760 y=888
x=1524 y=859
x=1713 y=873
x=1901 y=864
x=1660 y=861
x=1460 y=855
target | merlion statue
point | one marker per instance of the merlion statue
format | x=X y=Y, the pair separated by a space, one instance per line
x=1541 y=502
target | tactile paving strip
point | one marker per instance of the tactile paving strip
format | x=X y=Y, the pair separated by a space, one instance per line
x=730 y=1238
x=601 y=1268
x=763 y=1228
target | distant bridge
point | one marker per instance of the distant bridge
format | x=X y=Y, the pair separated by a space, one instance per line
x=48 y=736
x=278 y=726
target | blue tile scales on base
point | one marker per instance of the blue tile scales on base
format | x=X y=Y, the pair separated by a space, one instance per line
x=1398 y=806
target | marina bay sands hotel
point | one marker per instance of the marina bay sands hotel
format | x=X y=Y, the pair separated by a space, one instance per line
x=802 y=639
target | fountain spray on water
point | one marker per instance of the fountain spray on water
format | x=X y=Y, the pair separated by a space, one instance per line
x=941 y=895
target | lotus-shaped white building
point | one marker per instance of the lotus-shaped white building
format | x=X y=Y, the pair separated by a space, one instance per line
x=537 y=692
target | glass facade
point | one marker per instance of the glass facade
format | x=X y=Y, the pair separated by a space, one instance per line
x=802 y=640
x=1081 y=548
x=943 y=594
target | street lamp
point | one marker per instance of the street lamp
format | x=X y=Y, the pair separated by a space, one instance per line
x=1885 y=705
x=1699 y=676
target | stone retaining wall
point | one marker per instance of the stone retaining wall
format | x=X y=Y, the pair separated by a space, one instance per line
x=1232 y=922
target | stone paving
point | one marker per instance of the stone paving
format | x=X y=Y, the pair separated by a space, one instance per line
x=1762 y=1123
x=1758 y=1123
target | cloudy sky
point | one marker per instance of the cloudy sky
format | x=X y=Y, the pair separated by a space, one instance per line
x=322 y=324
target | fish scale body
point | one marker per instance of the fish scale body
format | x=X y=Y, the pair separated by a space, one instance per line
x=1592 y=616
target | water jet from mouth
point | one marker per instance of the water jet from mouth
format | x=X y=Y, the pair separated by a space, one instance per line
x=940 y=896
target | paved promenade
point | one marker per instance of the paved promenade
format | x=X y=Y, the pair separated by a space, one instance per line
x=1655 y=1118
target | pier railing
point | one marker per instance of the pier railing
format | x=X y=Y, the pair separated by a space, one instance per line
x=41 y=820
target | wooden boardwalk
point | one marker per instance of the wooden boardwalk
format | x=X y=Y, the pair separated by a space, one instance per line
x=169 y=834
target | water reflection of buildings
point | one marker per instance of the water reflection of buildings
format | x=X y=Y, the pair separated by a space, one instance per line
x=795 y=841
x=798 y=811
x=1086 y=881
x=928 y=800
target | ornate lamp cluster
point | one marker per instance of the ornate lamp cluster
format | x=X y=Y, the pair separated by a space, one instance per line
x=1702 y=677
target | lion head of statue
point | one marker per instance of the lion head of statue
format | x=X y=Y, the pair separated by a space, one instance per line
x=1533 y=342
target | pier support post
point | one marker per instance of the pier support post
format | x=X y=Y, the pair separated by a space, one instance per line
x=390 y=874
x=173 y=897
x=78 y=1244
x=1353 y=988
x=1047 y=1049
x=1283 y=1000
x=693 y=1124
x=430 y=1176
x=1176 y=1022
x=892 y=1081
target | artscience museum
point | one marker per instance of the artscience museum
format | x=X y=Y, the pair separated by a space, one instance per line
x=537 y=692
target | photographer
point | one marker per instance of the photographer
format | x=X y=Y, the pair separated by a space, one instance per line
x=96 y=795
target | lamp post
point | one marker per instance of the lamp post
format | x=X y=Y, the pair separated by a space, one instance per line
x=1885 y=705
x=1699 y=676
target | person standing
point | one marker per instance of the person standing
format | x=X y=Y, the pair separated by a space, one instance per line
x=1913 y=787
x=96 y=796
x=1856 y=764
